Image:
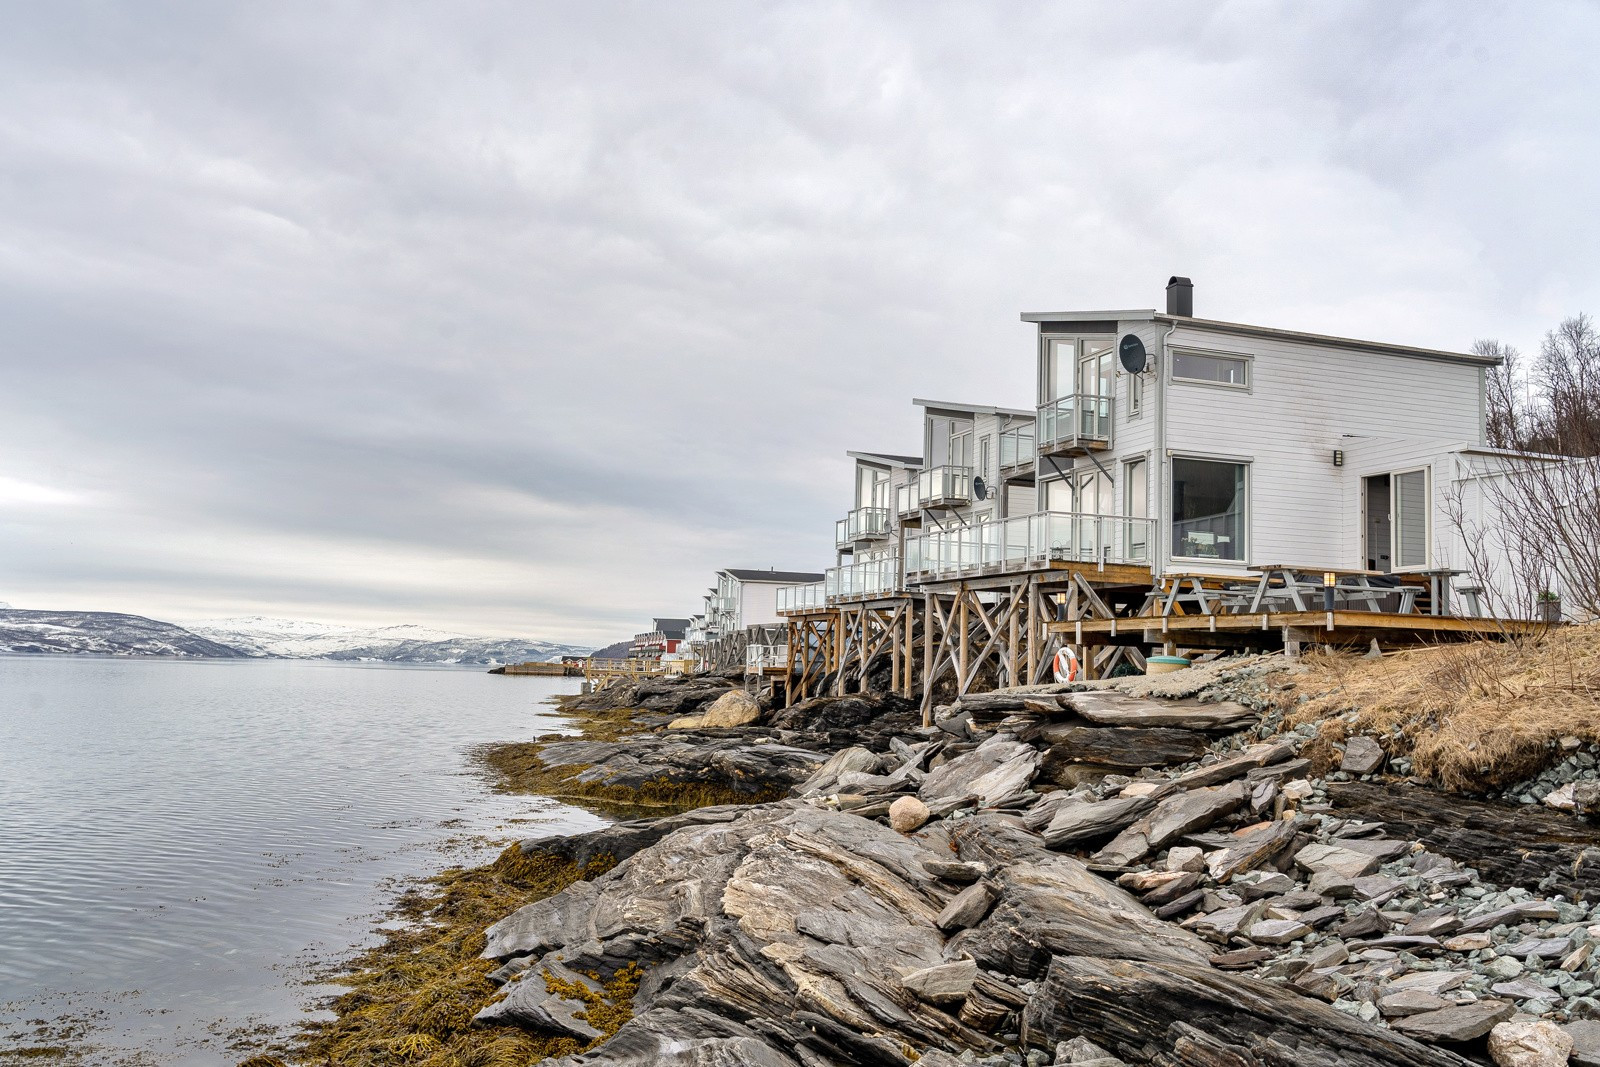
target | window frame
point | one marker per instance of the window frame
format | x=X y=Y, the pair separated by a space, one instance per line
x=1426 y=470
x=1245 y=358
x=1170 y=507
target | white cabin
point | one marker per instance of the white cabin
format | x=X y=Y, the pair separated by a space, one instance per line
x=1213 y=446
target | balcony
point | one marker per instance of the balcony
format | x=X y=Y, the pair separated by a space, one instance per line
x=801 y=598
x=1075 y=425
x=942 y=488
x=1017 y=450
x=862 y=524
x=863 y=581
x=759 y=658
x=1030 y=542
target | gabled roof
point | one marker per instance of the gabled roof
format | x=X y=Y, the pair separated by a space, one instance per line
x=1247 y=330
x=976 y=409
x=888 y=458
x=778 y=577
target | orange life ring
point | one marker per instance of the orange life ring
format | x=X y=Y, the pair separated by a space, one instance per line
x=1066 y=665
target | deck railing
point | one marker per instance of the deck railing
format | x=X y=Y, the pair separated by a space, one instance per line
x=936 y=487
x=810 y=597
x=862 y=524
x=869 y=578
x=1027 y=542
x=1017 y=447
x=1080 y=421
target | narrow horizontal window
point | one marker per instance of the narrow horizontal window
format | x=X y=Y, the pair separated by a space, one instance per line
x=1215 y=370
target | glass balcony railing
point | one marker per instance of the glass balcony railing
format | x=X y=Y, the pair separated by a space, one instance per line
x=860 y=581
x=766 y=657
x=1028 y=542
x=801 y=597
x=1016 y=448
x=944 y=487
x=862 y=524
x=1077 y=423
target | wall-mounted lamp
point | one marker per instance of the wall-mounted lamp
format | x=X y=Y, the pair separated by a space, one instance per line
x=1329 y=580
x=1338 y=457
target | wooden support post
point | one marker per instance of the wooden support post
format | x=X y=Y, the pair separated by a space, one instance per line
x=927 y=659
x=961 y=655
x=1011 y=634
x=1034 y=624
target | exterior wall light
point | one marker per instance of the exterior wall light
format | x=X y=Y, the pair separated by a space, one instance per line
x=1338 y=457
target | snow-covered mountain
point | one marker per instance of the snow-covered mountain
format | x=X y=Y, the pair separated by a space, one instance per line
x=297 y=639
x=106 y=633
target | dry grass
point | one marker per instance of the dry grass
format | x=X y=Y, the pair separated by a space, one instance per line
x=1473 y=717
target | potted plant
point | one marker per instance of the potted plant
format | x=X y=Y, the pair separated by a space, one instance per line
x=1549 y=606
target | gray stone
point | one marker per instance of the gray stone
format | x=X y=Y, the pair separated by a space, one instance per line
x=945 y=983
x=1350 y=864
x=1464 y=1022
x=968 y=907
x=1434 y=982
x=1277 y=931
x=1362 y=755
x=1410 y=1002
x=1092 y=821
x=1585 y=1035
x=1520 y=912
x=996 y=770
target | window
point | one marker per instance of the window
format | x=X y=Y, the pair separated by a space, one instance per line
x=872 y=487
x=983 y=458
x=1136 y=505
x=1135 y=395
x=1058 y=495
x=1078 y=366
x=1411 y=519
x=1208 y=509
x=1211 y=369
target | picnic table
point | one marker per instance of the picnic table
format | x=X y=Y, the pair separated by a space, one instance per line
x=1204 y=591
x=1292 y=582
x=1439 y=579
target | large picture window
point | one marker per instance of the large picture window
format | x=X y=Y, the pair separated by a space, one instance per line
x=1208 y=509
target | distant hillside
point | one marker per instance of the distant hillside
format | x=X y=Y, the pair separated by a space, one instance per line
x=298 y=639
x=617 y=651
x=105 y=633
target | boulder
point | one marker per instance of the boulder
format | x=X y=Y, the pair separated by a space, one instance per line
x=1177 y=815
x=907 y=814
x=1526 y=1042
x=688 y=722
x=734 y=708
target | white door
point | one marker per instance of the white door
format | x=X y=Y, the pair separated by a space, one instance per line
x=1411 y=519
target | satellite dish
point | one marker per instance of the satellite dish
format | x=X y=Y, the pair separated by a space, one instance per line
x=1130 y=353
x=979 y=490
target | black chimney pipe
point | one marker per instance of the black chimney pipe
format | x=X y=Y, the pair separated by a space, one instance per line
x=1180 y=297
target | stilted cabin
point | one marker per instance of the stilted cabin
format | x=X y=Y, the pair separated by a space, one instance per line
x=662 y=639
x=1181 y=484
x=742 y=614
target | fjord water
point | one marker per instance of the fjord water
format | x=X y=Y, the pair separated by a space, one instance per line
x=184 y=844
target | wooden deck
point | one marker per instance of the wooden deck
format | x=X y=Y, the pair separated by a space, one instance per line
x=1278 y=629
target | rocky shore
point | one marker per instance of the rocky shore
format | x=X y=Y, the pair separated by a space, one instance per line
x=1150 y=871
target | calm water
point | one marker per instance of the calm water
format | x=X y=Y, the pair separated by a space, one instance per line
x=183 y=843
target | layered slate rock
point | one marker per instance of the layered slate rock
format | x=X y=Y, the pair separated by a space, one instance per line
x=1182 y=1014
x=1527 y=846
x=738 y=764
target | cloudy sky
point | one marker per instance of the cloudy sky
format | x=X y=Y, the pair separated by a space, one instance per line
x=524 y=318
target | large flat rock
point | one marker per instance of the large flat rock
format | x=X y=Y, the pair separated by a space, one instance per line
x=1178 y=1014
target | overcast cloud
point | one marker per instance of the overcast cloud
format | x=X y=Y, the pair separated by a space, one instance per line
x=524 y=318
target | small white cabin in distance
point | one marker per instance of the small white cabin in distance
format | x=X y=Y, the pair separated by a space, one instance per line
x=1248 y=445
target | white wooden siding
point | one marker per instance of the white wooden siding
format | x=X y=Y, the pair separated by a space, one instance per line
x=1302 y=403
